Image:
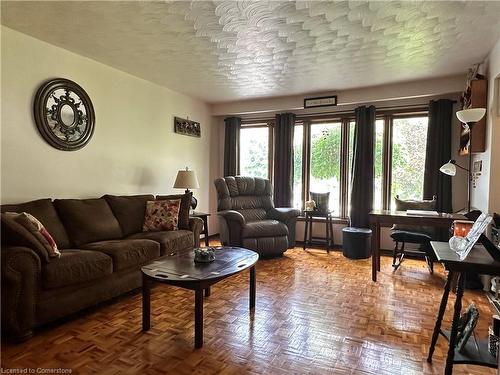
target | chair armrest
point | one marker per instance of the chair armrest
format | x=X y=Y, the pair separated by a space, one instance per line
x=21 y=273
x=283 y=214
x=232 y=215
x=196 y=226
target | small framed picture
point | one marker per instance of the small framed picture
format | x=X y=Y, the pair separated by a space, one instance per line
x=320 y=101
x=187 y=127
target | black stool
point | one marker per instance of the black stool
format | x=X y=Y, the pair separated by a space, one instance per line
x=422 y=239
x=308 y=237
x=356 y=242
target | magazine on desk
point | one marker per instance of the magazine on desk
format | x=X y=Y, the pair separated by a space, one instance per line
x=463 y=245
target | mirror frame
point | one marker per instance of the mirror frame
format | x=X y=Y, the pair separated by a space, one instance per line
x=42 y=111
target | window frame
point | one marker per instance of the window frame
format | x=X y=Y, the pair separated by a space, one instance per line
x=270 y=146
x=344 y=118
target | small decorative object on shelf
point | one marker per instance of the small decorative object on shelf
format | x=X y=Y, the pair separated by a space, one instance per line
x=466 y=326
x=204 y=254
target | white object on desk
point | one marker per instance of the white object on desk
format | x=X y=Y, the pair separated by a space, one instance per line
x=422 y=212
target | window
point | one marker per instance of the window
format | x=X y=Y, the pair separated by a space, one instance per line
x=324 y=169
x=379 y=162
x=254 y=151
x=409 y=138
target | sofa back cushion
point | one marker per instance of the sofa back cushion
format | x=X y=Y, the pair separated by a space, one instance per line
x=43 y=210
x=184 y=209
x=129 y=211
x=88 y=220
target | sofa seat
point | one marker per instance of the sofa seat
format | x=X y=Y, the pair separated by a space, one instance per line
x=127 y=253
x=170 y=241
x=76 y=266
x=264 y=228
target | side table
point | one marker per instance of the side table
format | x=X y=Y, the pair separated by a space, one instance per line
x=203 y=216
x=309 y=238
x=478 y=261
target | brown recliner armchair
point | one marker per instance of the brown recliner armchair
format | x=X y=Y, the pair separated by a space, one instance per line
x=248 y=218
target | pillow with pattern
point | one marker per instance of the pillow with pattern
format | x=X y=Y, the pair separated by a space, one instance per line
x=34 y=226
x=161 y=215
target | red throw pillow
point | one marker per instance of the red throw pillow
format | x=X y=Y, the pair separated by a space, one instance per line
x=162 y=215
x=35 y=227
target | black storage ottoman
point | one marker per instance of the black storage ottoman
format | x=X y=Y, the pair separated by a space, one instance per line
x=356 y=242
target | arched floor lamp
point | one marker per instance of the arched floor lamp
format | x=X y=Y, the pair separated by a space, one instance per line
x=468 y=117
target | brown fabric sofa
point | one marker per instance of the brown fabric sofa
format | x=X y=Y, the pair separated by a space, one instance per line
x=102 y=249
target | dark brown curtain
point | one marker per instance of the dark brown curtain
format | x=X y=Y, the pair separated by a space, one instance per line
x=438 y=152
x=362 y=167
x=232 y=146
x=283 y=159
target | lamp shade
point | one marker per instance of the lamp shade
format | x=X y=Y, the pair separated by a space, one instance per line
x=471 y=115
x=449 y=168
x=186 y=179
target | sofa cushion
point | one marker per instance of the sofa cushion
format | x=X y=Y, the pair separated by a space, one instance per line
x=43 y=210
x=127 y=253
x=129 y=211
x=170 y=241
x=76 y=266
x=14 y=234
x=184 y=209
x=264 y=228
x=88 y=220
x=161 y=215
x=36 y=228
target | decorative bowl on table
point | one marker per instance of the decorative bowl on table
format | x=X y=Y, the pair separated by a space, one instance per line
x=204 y=254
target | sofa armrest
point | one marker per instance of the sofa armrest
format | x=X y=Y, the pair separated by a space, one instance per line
x=232 y=215
x=21 y=272
x=288 y=216
x=283 y=214
x=230 y=223
x=196 y=226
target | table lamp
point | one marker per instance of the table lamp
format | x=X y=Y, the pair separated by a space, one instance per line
x=187 y=179
x=468 y=117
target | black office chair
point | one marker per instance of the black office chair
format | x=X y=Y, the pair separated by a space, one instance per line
x=403 y=234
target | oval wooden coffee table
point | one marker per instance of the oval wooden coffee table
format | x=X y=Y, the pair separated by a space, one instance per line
x=181 y=270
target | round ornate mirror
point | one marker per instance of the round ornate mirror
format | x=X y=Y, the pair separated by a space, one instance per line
x=64 y=114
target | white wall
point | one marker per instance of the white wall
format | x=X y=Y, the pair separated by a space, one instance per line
x=134 y=149
x=486 y=196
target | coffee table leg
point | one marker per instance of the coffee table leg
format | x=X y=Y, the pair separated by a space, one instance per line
x=146 y=303
x=207 y=292
x=198 y=318
x=252 y=288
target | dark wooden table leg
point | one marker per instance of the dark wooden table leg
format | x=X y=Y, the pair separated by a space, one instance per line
x=252 y=288
x=327 y=234
x=331 y=232
x=305 y=234
x=207 y=292
x=198 y=318
x=309 y=239
x=146 y=303
x=377 y=229
x=205 y=230
x=454 y=325
x=439 y=319
x=374 y=251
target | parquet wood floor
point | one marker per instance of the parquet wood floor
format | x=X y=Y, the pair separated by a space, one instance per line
x=316 y=313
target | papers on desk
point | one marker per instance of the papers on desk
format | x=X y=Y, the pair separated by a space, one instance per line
x=422 y=213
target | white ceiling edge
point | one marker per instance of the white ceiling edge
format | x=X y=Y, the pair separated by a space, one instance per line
x=425 y=88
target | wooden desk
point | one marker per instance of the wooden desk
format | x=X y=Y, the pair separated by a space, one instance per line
x=478 y=261
x=380 y=218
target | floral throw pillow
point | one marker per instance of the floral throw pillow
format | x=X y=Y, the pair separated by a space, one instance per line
x=34 y=226
x=162 y=215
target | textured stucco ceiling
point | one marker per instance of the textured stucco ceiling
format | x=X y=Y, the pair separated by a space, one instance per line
x=228 y=50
